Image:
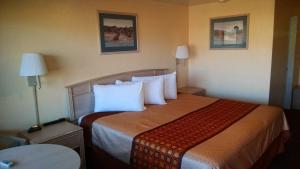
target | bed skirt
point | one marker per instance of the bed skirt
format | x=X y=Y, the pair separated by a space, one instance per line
x=99 y=159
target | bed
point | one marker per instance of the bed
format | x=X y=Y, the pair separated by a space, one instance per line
x=114 y=139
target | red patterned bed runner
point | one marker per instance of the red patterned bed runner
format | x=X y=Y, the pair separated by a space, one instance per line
x=163 y=147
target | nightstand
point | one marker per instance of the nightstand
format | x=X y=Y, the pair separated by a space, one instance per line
x=192 y=90
x=63 y=133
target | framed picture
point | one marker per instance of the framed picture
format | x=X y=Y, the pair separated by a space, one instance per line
x=229 y=32
x=117 y=32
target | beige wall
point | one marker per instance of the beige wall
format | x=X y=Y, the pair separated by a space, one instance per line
x=237 y=74
x=66 y=31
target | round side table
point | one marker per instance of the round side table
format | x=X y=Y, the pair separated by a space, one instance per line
x=41 y=156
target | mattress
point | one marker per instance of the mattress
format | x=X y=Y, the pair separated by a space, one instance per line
x=237 y=147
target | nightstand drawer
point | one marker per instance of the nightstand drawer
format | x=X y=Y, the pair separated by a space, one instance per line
x=71 y=140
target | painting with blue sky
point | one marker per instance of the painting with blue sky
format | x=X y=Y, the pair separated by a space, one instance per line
x=229 y=32
x=118 y=32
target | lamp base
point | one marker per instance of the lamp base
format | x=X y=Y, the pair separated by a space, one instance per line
x=34 y=128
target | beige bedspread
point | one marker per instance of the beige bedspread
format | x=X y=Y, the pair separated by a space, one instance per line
x=237 y=147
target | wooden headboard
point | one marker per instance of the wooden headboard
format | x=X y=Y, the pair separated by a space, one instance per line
x=81 y=97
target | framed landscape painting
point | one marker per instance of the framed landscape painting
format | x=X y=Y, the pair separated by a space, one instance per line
x=229 y=32
x=117 y=32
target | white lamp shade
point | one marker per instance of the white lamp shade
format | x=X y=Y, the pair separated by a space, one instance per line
x=182 y=52
x=32 y=65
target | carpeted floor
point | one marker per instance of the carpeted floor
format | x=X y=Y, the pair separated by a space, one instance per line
x=290 y=159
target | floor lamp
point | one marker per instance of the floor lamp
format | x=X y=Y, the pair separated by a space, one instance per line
x=32 y=66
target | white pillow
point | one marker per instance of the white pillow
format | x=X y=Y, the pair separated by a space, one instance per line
x=153 y=90
x=127 y=97
x=170 y=86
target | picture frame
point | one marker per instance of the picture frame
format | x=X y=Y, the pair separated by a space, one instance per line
x=229 y=32
x=118 y=32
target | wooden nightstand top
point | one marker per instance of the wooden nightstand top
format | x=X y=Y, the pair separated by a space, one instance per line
x=51 y=132
x=192 y=90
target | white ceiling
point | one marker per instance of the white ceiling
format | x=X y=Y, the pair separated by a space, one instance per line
x=192 y=2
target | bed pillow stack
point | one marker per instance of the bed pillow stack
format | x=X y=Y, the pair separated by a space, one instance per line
x=153 y=90
x=169 y=80
x=132 y=95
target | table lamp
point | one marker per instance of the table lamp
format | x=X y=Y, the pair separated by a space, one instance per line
x=182 y=53
x=32 y=66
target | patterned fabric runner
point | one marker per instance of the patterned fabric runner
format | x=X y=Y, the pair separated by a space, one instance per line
x=164 y=146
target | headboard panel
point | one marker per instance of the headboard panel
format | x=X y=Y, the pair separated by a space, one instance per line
x=81 y=98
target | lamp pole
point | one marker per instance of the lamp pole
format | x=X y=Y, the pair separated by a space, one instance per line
x=33 y=81
x=36 y=105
